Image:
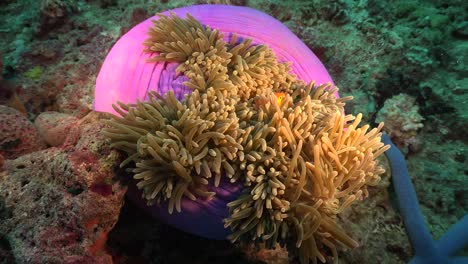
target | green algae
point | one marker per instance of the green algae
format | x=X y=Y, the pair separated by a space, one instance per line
x=34 y=73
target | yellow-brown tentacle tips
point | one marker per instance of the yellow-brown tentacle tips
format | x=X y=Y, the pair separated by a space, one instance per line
x=301 y=159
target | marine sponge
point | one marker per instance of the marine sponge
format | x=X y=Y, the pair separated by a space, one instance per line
x=402 y=120
x=302 y=161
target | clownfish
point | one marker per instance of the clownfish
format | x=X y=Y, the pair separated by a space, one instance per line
x=279 y=99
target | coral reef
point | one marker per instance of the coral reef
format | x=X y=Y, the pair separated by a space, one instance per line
x=383 y=232
x=53 y=127
x=52 y=210
x=18 y=136
x=426 y=250
x=298 y=164
x=443 y=201
x=400 y=114
x=53 y=13
x=364 y=57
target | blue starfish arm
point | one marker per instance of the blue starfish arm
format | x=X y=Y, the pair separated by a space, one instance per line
x=421 y=239
x=426 y=250
x=458 y=260
x=454 y=239
x=452 y=260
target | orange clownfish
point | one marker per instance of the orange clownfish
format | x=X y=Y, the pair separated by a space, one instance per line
x=280 y=97
x=263 y=100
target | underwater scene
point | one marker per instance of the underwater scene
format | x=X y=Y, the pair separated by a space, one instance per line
x=233 y=131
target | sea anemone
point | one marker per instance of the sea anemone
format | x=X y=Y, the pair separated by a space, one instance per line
x=246 y=118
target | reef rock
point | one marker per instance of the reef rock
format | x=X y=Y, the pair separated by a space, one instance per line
x=402 y=121
x=59 y=204
x=18 y=136
x=53 y=127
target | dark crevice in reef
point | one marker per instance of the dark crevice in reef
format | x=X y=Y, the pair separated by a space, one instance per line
x=142 y=239
x=6 y=256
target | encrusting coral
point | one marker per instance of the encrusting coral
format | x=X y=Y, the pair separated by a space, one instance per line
x=301 y=159
x=402 y=120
